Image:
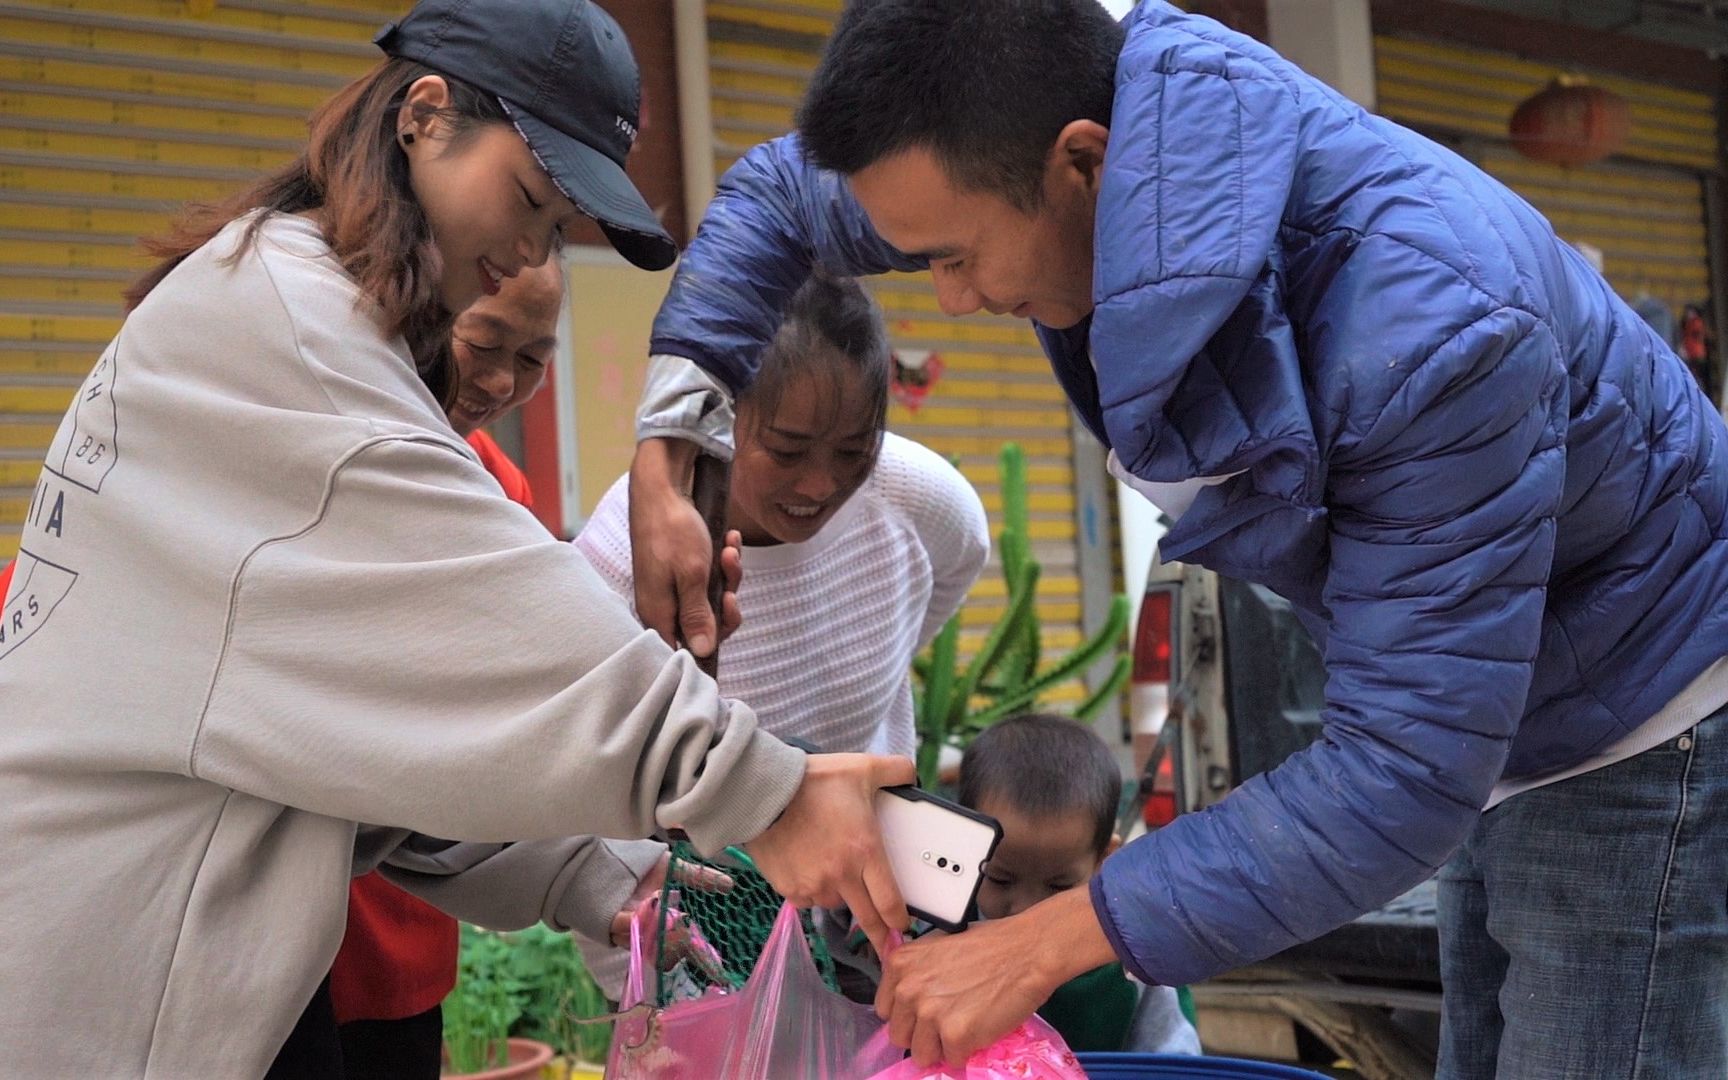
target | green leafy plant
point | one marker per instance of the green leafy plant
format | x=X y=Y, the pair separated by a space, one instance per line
x=531 y=984
x=486 y=1001
x=952 y=704
x=559 y=992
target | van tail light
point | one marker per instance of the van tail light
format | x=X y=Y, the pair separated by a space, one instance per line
x=1154 y=668
x=1155 y=636
x=1160 y=807
x=1154 y=672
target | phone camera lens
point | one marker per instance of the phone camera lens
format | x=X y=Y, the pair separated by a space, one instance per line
x=956 y=868
x=943 y=863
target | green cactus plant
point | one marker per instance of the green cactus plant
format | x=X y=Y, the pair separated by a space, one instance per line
x=952 y=705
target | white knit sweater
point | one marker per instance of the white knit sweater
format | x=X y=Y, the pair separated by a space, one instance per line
x=831 y=625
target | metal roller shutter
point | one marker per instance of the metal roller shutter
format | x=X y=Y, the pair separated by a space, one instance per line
x=112 y=114
x=995 y=385
x=1644 y=209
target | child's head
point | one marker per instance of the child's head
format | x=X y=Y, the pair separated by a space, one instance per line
x=1054 y=786
x=810 y=426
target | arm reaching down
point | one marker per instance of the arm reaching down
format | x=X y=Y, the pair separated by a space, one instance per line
x=1442 y=537
x=773 y=217
x=573 y=721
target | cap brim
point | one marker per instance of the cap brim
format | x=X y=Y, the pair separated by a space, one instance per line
x=599 y=189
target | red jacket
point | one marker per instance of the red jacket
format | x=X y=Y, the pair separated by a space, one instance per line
x=398 y=958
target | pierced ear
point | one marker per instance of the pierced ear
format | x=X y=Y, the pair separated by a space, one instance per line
x=420 y=106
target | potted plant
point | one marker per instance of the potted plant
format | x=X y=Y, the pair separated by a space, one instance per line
x=558 y=994
x=479 y=1012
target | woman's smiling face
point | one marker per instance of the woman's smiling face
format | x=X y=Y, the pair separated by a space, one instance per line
x=492 y=209
x=502 y=345
x=793 y=470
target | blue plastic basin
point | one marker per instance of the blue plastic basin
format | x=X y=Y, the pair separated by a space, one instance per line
x=1103 y=1066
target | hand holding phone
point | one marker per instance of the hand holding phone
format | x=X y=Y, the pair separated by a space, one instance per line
x=937 y=851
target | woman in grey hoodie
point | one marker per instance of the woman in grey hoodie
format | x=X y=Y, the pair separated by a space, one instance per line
x=265 y=594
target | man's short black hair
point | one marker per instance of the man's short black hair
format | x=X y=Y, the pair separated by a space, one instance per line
x=1042 y=765
x=984 y=85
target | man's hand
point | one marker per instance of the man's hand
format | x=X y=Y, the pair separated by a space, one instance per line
x=670 y=550
x=946 y=996
x=826 y=850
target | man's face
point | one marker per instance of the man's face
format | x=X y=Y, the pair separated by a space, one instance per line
x=984 y=252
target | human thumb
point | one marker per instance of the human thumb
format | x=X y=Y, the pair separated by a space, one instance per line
x=891 y=771
x=696 y=619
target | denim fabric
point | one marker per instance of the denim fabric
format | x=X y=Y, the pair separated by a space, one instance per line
x=1584 y=925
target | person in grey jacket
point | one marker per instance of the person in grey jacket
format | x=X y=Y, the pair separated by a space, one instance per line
x=265 y=593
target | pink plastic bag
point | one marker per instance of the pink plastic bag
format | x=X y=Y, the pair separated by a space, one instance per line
x=1032 y=1051
x=783 y=1023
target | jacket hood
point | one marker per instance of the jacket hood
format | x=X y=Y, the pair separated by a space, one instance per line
x=1194 y=112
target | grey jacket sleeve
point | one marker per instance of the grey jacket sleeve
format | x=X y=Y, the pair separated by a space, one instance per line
x=508 y=695
x=681 y=401
x=574 y=884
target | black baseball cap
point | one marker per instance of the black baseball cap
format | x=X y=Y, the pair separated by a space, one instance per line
x=564 y=73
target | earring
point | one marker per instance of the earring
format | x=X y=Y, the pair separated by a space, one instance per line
x=405 y=138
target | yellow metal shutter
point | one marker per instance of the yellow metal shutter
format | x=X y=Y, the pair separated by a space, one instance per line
x=995 y=385
x=112 y=114
x=1644 y=210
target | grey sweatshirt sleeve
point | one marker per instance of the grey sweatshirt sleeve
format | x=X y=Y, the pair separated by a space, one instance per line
x=422 y=654
x=681 y=401
x=574 y=884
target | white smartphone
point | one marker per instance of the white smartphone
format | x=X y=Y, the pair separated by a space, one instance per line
x=937 y=851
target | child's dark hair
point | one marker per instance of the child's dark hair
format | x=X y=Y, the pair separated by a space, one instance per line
x=1041 y=765
x=832 y=328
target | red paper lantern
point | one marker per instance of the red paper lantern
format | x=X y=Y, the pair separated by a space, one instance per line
x=1571 y=123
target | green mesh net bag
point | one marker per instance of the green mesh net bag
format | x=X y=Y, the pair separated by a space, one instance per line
x=736 y=923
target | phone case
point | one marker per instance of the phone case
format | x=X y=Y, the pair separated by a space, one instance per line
x=937 y=851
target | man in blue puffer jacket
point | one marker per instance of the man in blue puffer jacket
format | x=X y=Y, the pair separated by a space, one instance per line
x=1354 y=369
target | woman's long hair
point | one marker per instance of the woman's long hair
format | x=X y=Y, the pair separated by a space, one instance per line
x=353 y=170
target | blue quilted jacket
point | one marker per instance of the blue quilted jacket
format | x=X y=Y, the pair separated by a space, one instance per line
x=1497 y=498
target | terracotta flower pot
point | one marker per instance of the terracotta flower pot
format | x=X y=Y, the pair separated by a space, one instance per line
x=525 y=1060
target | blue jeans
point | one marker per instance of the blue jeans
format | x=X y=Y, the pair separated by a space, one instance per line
x=1584 y=925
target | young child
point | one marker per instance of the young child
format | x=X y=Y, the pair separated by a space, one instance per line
x=1055 y=788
